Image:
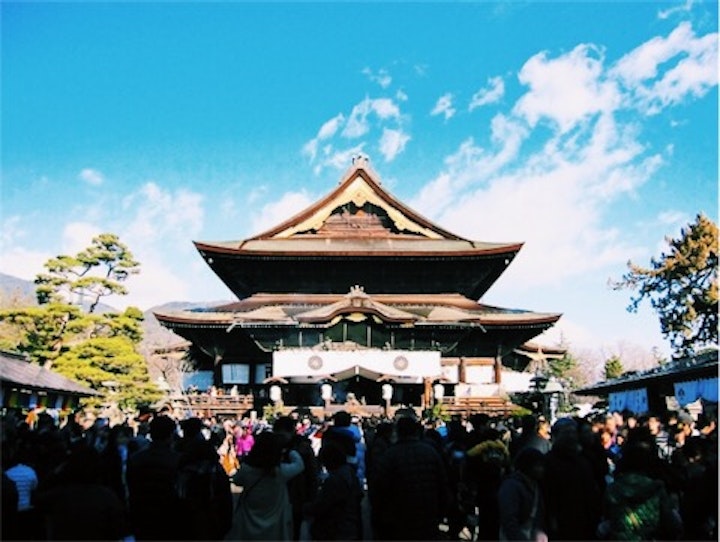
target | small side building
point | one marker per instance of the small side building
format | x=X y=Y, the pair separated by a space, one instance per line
x=686 y=380
x=27 y=386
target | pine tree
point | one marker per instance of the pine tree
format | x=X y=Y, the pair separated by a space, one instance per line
x=682 y=287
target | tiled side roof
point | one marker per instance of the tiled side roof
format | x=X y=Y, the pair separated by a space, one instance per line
x=683 y=368
x=423 y=309
x=16 y=370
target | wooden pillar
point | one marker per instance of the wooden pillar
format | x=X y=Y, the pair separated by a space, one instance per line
x=498 y=365
x=462 y=375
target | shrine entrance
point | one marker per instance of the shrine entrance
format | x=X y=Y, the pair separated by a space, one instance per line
x=358 y=389
x=354 y=375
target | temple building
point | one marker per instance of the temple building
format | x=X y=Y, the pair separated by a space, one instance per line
x=355 y=292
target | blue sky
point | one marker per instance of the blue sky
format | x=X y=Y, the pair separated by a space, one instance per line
x=588 y=130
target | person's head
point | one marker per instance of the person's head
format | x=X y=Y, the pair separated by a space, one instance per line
x=162 y=428
x=408 y=428
x=285 y=427
x=192 y=428
x=654 y=423
x=528 y=423
x=631 y=421
x=479 y=421
x=531 y=463
x=342 y=419
x=543 y=428
x=605 y=438
x=611 y=423
x=565 y=435
x=332 y=455
x=267 y=451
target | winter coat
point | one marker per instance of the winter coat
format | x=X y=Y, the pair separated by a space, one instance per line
x=264 y=512
x=336 y=512
x=521 y=508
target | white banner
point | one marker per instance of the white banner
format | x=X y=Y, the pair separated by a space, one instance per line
x=312 y=365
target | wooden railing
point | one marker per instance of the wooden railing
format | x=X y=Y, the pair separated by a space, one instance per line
x=202 y=404
x=494 y=406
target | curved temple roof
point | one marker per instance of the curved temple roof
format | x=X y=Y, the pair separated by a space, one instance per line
x=349 y=233
x=318 y=309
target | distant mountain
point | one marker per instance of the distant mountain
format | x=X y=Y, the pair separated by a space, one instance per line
x=157 y=336
x=20 y=292
x=16 y=291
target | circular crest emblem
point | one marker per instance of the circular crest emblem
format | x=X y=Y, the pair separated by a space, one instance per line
x=400 y=363
x=315 y=363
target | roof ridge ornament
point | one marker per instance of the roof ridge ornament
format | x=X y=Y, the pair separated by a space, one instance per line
x=360 y=159
x=357 y=295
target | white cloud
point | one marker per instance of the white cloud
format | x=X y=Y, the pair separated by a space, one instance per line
x=22 y=262
x=327 y=130
x=77 y=236
x=91 y=176
x=338 y=159
x=665 y=71
x=667 y=13
x=382 y=77
x=673 y=218
x=471 y=164
x=565 y=90
x=385 y=108
x=158 y=214
x=278 y=211
x=444 y=106
x=401 y=96
x=358 y=121
x=392 y=143
x=492 y=93
x=158 y=282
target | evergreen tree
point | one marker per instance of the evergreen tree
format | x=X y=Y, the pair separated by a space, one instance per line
x=682 y=287
x=96 y=271
x=613 y=368
x=91 y=348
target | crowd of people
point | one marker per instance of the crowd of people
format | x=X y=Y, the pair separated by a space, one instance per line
x=610 y=477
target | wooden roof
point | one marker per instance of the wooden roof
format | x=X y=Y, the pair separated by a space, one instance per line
x=704 y=365
x=14 y=369
x=354 y=229
x=319 y=309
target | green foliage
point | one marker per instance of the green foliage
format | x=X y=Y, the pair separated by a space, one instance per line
x=90 y=348
x=42 y=332
x=682 y=287
x=99 y=361
x=91 y=274
x=438 y=411
x=613 y=368
x=563 y=367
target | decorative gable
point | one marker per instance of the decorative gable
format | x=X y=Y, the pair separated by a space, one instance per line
x=358 y=207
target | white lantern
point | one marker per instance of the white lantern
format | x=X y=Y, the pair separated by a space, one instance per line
x=275 y=393
x=439 y=392
x=326 y=392
x=387 y=392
